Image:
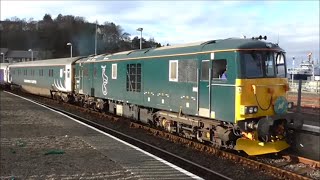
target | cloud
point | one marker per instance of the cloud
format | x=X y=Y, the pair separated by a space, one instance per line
x=176 y=22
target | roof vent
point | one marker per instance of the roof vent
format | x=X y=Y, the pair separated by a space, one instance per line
x=209 y=42
x=259 y=38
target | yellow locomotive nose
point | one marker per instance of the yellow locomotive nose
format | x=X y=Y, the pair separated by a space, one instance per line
x=253 y=148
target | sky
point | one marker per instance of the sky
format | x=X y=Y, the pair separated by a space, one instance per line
x=294 y=24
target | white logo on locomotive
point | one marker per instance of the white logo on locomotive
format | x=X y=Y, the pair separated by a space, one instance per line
x=104 y=81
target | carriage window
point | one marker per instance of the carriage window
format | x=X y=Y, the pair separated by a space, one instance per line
x=114 y=71
x=85 y=71
x=50 y=72
x=68 y=73
x=219 y=70
x=205 y=70
x=173 y=70
x=61 y=72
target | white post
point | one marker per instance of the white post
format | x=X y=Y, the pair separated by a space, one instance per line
x=292 y=71
x=312 y=71
x=141 y=40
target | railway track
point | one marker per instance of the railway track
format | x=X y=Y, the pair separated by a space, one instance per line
x=278 y=167
x=284 y=166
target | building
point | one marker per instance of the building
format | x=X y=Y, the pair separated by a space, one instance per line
x=12 y=56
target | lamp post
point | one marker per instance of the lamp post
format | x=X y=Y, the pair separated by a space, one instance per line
x=2 y=57
x=95 y=40
x=69 y=44
x=140 y=29
x=31 y=54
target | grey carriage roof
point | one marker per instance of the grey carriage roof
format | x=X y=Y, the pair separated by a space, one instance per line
x=91 y=58
x=3 y=65
x=51 y=62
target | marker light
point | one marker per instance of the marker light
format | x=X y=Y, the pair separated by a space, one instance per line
x=290 y=105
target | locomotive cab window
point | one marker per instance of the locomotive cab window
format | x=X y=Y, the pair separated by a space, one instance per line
x=219 y=70
x=258 y=64
x=280 y=65
x=269 y=65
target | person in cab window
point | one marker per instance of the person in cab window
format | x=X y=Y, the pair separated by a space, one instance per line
x=224 y=74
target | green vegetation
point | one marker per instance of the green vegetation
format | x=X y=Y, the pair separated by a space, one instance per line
x=50 y=36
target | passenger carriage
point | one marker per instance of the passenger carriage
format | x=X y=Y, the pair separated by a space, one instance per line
x=45 y=77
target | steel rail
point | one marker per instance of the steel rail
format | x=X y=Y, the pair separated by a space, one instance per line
x=275 y=171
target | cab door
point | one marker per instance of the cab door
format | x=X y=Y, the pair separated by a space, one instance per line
x=216 y=93
x=222 y=89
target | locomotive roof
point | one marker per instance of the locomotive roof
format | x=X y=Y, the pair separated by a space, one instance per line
x=51 y=62
x=230 y=44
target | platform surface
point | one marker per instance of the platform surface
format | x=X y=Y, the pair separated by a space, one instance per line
x=37 y=143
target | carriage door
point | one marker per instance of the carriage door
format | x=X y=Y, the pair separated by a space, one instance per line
x=204 y=88
x=68 y=78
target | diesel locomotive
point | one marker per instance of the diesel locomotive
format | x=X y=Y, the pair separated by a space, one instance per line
x=181 y=89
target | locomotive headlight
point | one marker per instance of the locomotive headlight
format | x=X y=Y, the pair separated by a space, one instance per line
x=290 y=105
x=250 y=110
x=255 y=109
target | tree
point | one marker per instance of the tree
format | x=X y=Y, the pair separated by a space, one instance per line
x=50 y=36
x=47 y=18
